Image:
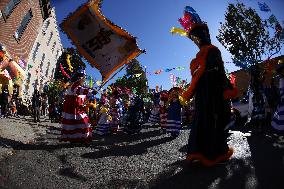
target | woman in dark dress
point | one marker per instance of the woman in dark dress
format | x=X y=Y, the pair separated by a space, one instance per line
x=212 y=91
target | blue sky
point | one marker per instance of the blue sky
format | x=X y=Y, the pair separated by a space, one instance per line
x=151 y=20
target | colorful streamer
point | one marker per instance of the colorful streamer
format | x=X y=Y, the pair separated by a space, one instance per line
x=69 y=63
x=179 y=68
x=173 y=79
x=158 y=72
x=179 y=31
x=168 y=70
x=91 y=82
x=233 y=79
x=63 y=71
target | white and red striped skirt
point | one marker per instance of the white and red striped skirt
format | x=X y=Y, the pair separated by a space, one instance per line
x=75 y=121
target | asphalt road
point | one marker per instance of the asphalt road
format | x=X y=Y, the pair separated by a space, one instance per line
x=147 y=160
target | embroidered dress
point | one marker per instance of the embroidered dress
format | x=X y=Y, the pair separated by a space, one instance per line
x=115 y=114
x=154 y=117
x=173 y=125
x=278 y=118
x=163 y=115
x=75 y=122
x=208 y=139
x=103 y=126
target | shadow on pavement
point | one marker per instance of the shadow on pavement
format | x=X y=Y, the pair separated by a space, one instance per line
x=123 y=137
x=123 y=184
x=195 y=176
x=16 y=145
x=267 y=153
x=71 y=173
x=98 y=141
x=127 y=150
x=263 y=169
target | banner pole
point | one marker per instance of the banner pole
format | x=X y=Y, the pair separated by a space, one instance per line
x=111 y=77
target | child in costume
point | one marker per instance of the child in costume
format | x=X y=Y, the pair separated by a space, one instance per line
x=209 y=86
x=163 y=109
x=134 y=119
x=114 y=111
x=75 y=121
x=91 y=109
x=103 y=126
x=174 y=112
x=155 y=117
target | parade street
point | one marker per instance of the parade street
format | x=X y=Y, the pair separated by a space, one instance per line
x=146 y=160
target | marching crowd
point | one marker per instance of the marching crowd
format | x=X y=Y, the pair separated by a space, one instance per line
x=205 y=104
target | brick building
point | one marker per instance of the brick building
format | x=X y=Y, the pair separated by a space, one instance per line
x=19 y=25
x=43 y=56
x=29 y=32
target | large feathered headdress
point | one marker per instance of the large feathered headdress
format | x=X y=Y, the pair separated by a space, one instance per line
x=189 y=21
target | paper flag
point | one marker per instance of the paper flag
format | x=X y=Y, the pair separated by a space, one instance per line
x=158 y=72
x=168 y=70
x=180 y=68
x=263 y=7
x=91 y=82
x=99 y=83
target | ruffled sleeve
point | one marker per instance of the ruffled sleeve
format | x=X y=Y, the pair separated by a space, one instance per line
x=197 y=68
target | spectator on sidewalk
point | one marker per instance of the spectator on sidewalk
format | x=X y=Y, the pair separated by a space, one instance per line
x=278 y=118
x=15 y=91
x=13 y=108
x=36 y=102
x=44 y=105
x=4 y=101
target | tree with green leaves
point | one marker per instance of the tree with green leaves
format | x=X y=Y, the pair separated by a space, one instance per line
x=54 y=91
x=134 y=79
x=249 y=39
x=68 y=62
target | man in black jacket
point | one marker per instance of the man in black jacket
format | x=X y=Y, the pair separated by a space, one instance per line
x=36 y=102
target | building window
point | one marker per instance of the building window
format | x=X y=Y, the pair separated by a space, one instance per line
x=47 y=69
x=46 y=27
x=52 y=73
x=42 y=61
x=57 y=53
x=10 y=7
x=19 y=32
x=53 y=46
x=49 y=39
x=36 y=50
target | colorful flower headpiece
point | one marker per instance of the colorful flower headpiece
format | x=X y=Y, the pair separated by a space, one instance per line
x=189 y=21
